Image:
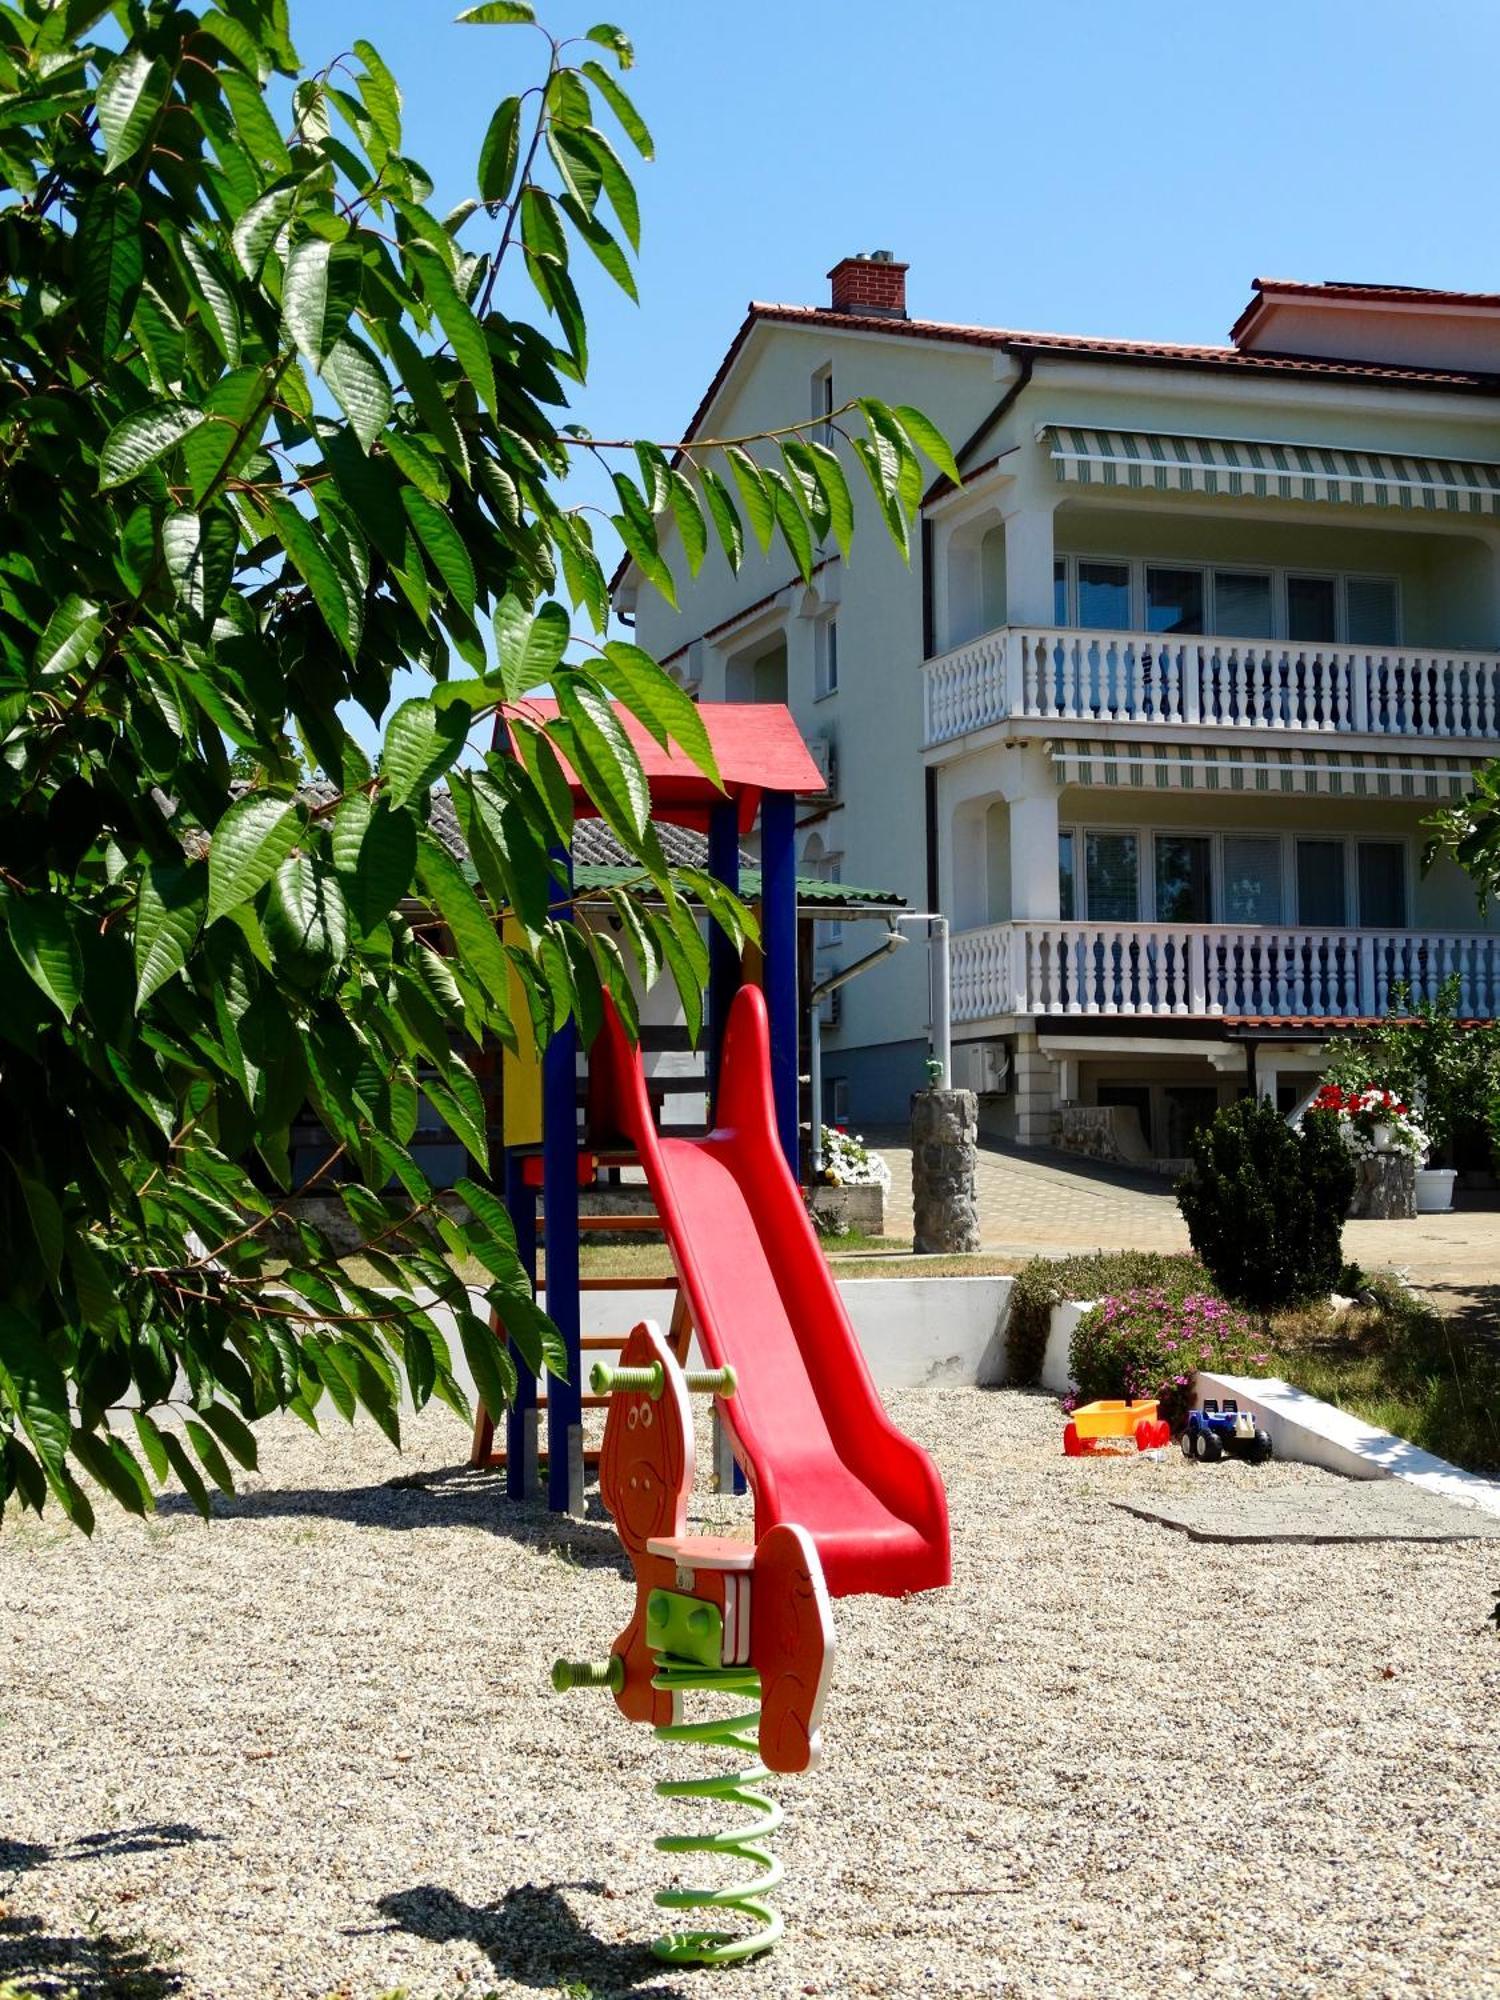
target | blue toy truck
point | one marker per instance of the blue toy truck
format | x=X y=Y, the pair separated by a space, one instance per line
x=1218 y=1428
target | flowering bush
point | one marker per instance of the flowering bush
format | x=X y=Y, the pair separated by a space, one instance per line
x=848 y=1162
x=1146 y=1343
x=1360 y=1110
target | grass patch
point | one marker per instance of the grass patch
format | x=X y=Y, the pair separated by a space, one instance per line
x=1403 y=1365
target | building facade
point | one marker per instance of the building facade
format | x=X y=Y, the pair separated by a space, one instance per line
x=1157 y=710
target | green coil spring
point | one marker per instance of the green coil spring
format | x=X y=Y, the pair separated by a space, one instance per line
x=744 y=1843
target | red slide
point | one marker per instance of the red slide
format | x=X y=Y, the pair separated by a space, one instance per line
x=809 y=1428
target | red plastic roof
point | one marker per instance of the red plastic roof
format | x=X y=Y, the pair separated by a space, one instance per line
x=758 y=747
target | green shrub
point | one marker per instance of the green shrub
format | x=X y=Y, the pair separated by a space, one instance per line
x=1144 y=1342
x=1265 y=1203
x=1046 y=1281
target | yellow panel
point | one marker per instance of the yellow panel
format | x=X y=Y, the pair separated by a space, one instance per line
x=520 y=1075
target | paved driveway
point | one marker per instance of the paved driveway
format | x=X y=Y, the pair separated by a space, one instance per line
x=1034 y=1203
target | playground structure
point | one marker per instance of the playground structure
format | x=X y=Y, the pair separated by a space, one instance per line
x=843 y=1501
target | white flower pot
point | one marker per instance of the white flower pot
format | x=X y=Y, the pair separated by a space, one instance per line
x=1380 y=1138
x=1435 y=1190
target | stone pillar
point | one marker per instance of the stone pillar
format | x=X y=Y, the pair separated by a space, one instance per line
x=1035 y=1083
x=1386 y=1190
x=944 y=1132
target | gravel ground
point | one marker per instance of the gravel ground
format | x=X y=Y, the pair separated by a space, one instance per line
x=310 y=1750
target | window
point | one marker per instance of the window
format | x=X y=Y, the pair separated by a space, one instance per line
x=1311 y=607
x=1111 y=866
x=1242 y=603
x=1067 y=891
x=1381 y=871
x=1321 y=897
x=836 y=1097
x=1174 y=599
x=1183 y=869
x=1250 y=887
x=1104 y=596
x=825 y=657
x=822 y=402
x=1060 y=591
x=1370 y=610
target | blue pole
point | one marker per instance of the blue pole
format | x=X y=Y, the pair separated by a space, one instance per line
x=560 y=1208
x=520 y=1420
x=778 y=919
x=723 y=959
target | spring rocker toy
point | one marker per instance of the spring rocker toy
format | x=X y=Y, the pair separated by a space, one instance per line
x=844 y=1502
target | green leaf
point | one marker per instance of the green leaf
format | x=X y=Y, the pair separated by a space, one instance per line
x=375 y=854
x=608 y=36
x=152 y=1444
x=139 y=440
x=46 y=1223
x=232 y=1432
x=211 y=1457
x=751 y=480
x=109 y=1461
x=261 y=224
x=380 y=93
x=249 y=844
x=830 y=476
x=111 y=263
x=42 y=931
x=310 y=305
x=359 y=383
x=68 y=639
x=131 y=92
x=725 y=519
x=926 y=436
x=34 y=1386
x=305 y=543
x=169 y=915
x=631 y=121
x=617 y=183
x=689 y=518
x=499 y=154
x=529 y=647
x=471 y=928
x=421 y=742
x=612 y=768
x=444 y=544
x=461 y=1108
x=492 y=1368
x=458 y=323
x=795 y=531
x=498 y=13
x=306 y=921
x=187 y=1473
x=667 y=710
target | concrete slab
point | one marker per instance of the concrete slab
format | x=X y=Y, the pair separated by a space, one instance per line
x=1335 y=1510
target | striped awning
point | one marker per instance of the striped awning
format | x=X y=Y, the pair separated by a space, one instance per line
x=1329 y=772
x=1242 y=468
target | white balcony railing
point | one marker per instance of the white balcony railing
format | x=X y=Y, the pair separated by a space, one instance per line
x=1211 y=970
x=1266 y=684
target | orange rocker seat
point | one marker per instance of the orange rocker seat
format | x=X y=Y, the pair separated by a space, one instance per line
x=817 y=1447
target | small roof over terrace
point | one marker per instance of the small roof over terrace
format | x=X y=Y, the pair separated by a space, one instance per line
x=757 y=745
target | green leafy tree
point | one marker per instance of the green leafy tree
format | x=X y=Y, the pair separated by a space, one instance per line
x=1265 y=1203
x=270 y=430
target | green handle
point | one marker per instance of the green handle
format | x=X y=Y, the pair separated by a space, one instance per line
x=568 y=1674
x=648 y=1381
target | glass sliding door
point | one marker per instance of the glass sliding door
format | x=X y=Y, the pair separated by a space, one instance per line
x=1112 y=885
x=1242 y=603
x=1251 y=890
x=1312 y=607
x=1322 y=896
x=1381 y=869
x=1183 y=872
x=1103 y=596
x=1174 y=599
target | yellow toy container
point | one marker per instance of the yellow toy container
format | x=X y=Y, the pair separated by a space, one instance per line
x=1092 y=1423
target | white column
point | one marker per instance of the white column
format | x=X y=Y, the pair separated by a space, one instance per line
x=1033 y=846
x=1028 y=564
x=1266 y=1082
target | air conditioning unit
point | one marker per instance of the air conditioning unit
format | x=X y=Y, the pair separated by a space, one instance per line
x=825 y=754
x=983 y=1067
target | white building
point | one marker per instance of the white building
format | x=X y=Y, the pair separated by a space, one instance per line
x=1157 y=710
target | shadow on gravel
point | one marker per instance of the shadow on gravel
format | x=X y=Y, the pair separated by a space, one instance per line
x=532 y=1937
x=18 y=1855
x=452 y=1498
x=98 y=1966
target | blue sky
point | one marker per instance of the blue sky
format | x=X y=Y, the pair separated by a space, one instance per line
x=1092 y=166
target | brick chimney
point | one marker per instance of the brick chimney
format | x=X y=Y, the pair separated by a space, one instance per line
x=870 y=282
